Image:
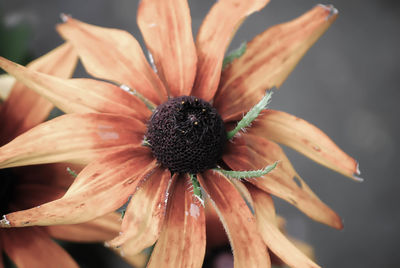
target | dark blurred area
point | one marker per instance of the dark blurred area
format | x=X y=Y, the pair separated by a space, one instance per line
x=347 y=85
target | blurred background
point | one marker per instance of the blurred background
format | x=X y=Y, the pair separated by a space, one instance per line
x=347 y=85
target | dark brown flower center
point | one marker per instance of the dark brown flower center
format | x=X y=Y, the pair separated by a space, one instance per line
x=7 y=185
x=186 y=135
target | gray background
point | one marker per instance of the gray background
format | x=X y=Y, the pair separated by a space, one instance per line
x=348 y=85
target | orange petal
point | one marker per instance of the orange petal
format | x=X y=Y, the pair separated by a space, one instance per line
x=275 y=240
x=79 y=95
x=251 y=152
x=114 y=55
x=102 y=187
x=305 y=138
x=268 y=60
x=213 y=38
x=24 y=108
x=182 y=242
x=32 y=247
x=248 y=248
x=97 y=230
x=71 y=137
x=145 y=214
x=166 y=28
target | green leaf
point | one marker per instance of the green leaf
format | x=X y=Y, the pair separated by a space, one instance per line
x=196 y=188
x=251 y=115
x=247 y=174
x=237 y=53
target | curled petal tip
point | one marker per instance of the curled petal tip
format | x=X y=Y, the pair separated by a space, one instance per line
x=357 y=179
x=64 y=17
x=358 y=172
x=106 y=244
x=4 y=222
x=332 y=10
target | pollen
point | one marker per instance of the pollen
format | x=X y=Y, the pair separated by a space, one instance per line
x=187 y=135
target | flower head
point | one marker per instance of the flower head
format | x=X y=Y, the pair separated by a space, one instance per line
x=158 y=136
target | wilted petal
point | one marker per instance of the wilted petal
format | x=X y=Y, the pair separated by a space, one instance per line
x=248 y=248
x=250 y=152
x=305 y=138
x=101 y=187
x=213 y=39
x=72 y=137
x=275 y=240
x=32 y=247
x=24 y=108
x=182 y=242
x=167 y=30
x=145 y=214
x=79 y=95
x=114 y=55
x=6 y=83
x=97 y=230
x=268 y=60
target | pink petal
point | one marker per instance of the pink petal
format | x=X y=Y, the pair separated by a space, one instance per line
x=268 y=60
x=32 y=247
x=251 y=152
x=145 y=214
x=101 y=187
x=306 y=139
x=248 y=248
x=213 y=38
x=275 y=240
x=25 y=109
x=182 y=242
x=72 y=137
x=166 y=28
x=114 y=55
x=97 y=230
x=79 y=95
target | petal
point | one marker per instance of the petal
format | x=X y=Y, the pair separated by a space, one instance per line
x=114 y=55
x=24 y=108
x=250 y=152
x=145 y=214
x=268 y=60
x=275 y=240
x=102 y=187
x=305 y=138
x=97 y=230
x=79 y=95
x=213 y=39
x=182 y=242
x=72 y=137
x=247 y=246
x=167 y=31
x=6 y=84
x=32 y=247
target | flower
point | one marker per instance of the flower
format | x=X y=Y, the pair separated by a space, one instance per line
x=31 y=186
x=112 y=128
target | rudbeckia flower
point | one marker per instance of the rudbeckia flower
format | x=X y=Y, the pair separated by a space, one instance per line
x=30 y=186
x=162 y=135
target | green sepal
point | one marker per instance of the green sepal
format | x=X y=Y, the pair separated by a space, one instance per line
x=237 y=53
x=251 y=115
x=248 y=174
x=196 y=188
x=71 y=172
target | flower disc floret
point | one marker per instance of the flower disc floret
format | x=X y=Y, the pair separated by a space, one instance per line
x=186 y=135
